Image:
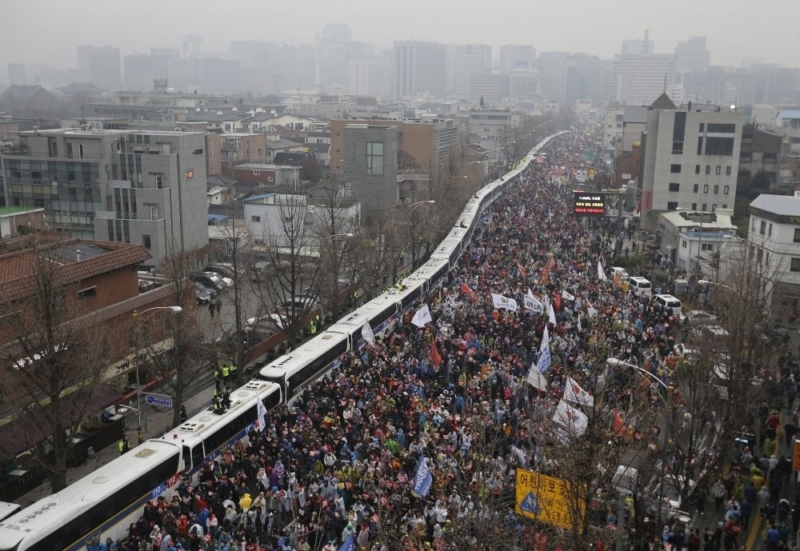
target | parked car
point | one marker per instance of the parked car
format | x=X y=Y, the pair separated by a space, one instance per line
x=210 y=290
x=209 y=280
x=301 y=305
x=223 y=282
x=222 y=271
x=700 y=317
x=202 y=296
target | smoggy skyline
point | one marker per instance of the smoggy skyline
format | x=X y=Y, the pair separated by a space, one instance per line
x=49 y=32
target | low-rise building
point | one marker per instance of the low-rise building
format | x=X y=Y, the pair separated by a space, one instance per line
x=774 y=237
x=18 y=220
x=691 y=239
x=269 y=175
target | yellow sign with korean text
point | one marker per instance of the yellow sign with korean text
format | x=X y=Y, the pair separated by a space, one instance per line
x=544 y=498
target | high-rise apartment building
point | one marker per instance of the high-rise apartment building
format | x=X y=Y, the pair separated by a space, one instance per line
x=690 y=159
x=142 y=187
x=100 y=65
x=419 y=68
x=692 y=55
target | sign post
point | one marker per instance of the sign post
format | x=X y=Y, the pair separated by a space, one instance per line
x=158 y=400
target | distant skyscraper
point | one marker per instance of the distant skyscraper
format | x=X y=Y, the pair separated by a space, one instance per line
x=465 y=60
x=191 y=45
x=142 y=69
x=639 y=76
x=100 y=66
x=17 y=74
x=419 y=68
x=368 y=78
x=335 y=49
x=638 y=46
x=692 y=55
x=517 y=58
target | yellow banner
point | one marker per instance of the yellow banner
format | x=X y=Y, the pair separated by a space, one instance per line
x=544 y=498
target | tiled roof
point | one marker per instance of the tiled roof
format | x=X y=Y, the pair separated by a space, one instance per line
x=17 y=268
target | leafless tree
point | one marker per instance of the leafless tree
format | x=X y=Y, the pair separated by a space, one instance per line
x=291 y=288
x=174 y=342
x=54 y=359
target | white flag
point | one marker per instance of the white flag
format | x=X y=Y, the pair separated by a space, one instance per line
x=536 y=378
x=551 y=314
x=572 y=419
x=532 y=304
x=575 y=394
x=590 y=310
x=367 y=334
x=422 y=317
x=500 y=301
x=601 y=273
x=567 y=296
x=262 y=415
x=579 y=324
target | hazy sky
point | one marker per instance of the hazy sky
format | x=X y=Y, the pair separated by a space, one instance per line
x=48 y=31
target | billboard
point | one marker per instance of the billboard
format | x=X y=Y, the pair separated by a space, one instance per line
x=544 y=498
x=587 y=203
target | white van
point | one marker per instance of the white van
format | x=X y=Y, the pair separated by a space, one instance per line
x=640 y=286
x=668 y=301
x=623 y=275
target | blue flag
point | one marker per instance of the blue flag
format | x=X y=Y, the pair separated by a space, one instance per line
x=349 y=544
x=544 y=353
x=423 y=480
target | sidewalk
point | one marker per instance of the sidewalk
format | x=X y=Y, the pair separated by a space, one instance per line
x=158 y=422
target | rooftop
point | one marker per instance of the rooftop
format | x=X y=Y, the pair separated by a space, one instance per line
x=789 y=114
x=8 y=211
x=710 y=221
x=778 y=204
x=77 y=260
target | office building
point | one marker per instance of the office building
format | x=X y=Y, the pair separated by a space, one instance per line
x=464 y=61
x=419 y=69
x=423 y=143
x=517 y=58
x=100 y=65
x=370 y=166
x=638 y=79
x=493 y=88
x=141 y=187
x=692 y=55
x=368 y=78
x=690 y=159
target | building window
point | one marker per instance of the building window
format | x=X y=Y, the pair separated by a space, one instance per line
x=675 y=169
x=726 y=189
x=255 y=219
x=754 y=225
x=708 y=169
x=159 y=178
x=718 y=170
x=146 y=242
x=672 y=205
x=705 y=188
x=797 y=235
x=89 y=292
x=727 y=171
x=795 y=265
x=189 y=174
x=375 y=158
x=763 y=228
x=256 y=173
x=674 y=188
x=716 y=190
x=694 y=206
x=769 y=231
x=696 y=188
x=714 y=207
x=683 y=243
x=705 y=207
x=725 y=206
x=80 y=151
x=706 y=247
x=697 y=169
x=69 y=150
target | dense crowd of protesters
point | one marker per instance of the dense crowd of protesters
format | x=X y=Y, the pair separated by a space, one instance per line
x=337 y=467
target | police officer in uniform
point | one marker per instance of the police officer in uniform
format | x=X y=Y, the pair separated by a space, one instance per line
x=226 y=397
x=225 y=372
x=217 y=377
x=232 y=371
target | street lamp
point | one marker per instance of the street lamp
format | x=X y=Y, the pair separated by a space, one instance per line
x=136 y=330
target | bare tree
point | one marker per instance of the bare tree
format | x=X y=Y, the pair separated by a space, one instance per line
x=175 y=343
x=55 y=357
x=293 y=284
